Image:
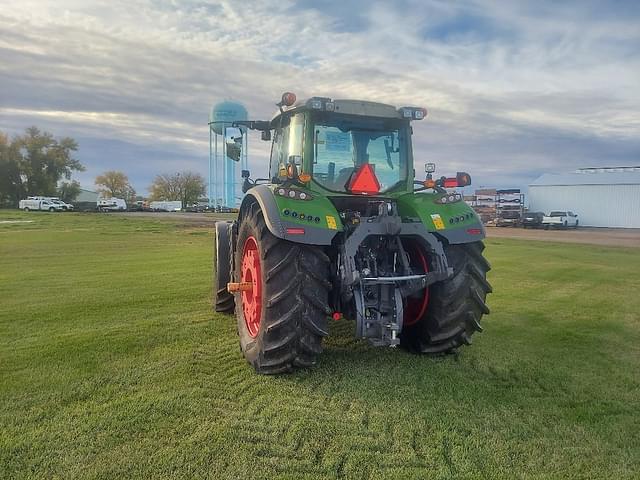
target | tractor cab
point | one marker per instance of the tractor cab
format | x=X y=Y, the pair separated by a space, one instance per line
x=344 y=146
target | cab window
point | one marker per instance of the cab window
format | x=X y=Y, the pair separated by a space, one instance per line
x=342 y=145
x=287 y=143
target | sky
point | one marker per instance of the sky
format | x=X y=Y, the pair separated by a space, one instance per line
x=513 y=89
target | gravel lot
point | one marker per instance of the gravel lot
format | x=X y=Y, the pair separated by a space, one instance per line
x=618 y=237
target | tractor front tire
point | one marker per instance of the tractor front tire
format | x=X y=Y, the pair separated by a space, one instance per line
x=455 y=306
x=283 y=316
x=223 y=301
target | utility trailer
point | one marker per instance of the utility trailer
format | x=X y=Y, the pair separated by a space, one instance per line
x=111 y=205
x=166 y=206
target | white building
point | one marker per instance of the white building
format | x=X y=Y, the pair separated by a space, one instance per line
x=602 y=197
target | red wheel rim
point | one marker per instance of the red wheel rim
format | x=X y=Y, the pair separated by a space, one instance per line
x=416 y=304
x=251 y=272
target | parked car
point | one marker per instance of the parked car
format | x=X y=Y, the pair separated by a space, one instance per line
x=560 y=219
x=111 y=204
x=67 y=207
x=139 y=206
x=532 y=219
x=508 y=218
x=198 y=207
x=39 y=203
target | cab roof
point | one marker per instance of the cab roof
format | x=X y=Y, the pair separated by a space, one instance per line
x=352 y=107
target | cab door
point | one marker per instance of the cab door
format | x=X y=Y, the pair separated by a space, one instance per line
x=287 y=147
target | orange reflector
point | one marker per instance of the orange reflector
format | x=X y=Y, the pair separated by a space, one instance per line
x=474 y=231
x=295 y=231
x=429 y=183
x=239 y=287
x=304 y=177
x=364 y=181
x=336 y=316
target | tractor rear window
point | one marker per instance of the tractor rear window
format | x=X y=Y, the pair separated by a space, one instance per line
x=341 y=147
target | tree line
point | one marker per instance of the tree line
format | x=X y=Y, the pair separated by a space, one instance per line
x=36 y=163
x=186 y=187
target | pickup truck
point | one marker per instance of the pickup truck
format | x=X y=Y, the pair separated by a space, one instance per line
x=560 y=219
x=39 y=203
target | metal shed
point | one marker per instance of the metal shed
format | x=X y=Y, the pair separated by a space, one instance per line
x=86 y=200
x=602 y=197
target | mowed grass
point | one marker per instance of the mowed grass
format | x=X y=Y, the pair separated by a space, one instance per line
x=112 y=365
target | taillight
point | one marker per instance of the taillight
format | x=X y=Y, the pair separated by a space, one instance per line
x=450 y=183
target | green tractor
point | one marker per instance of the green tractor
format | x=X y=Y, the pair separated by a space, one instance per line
x=343 y=229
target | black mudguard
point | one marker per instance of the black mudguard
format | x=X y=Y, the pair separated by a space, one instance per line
x=222 y=257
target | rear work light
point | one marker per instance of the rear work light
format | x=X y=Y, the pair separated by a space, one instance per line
x=321 y=103
x=414 y=113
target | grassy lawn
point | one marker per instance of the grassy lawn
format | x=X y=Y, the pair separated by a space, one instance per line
x=112 y=365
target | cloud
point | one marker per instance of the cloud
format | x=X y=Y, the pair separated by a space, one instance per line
x=513 y=89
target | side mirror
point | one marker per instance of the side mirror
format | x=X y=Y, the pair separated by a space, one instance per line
x=295 y=160
x=463 y=179
x=265 y=135
x=429 y=167
x=233 y=140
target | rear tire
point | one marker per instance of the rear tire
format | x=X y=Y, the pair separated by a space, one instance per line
x=456 y=305
x=223 y=301
x=52 y=209
x=26 y=209
x=293 y=298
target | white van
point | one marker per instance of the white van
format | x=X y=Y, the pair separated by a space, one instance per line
x=39 y=203
x=166 y=206
x=111 y=205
